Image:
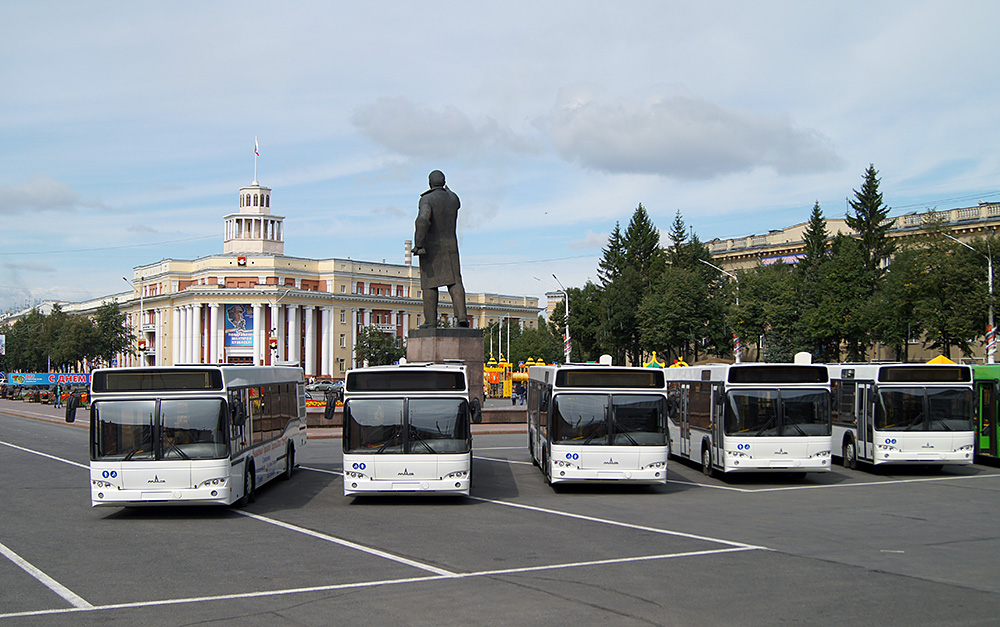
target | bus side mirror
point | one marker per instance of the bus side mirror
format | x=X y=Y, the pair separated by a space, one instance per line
x=477 y=410
x=237 y=413
x=71 y=408
x=331 y=406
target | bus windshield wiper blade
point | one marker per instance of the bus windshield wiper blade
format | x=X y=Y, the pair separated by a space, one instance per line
x=397 y=432
x=767 y=425
x=618 y=429
x=415 y=436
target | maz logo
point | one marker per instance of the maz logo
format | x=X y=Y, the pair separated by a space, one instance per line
x=404 y=474
x=928 y=445
x=611 y=462
x=781 y=452
x=156 y=479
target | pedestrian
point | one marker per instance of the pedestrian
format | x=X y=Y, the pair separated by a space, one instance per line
x=58 y=396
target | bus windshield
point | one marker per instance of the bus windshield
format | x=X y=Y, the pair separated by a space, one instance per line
x=616 y=419
x=778 y=413
x=184 y=429
x=924 y=409
x=432 y=426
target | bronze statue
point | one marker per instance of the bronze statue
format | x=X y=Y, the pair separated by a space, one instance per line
x=436 y=243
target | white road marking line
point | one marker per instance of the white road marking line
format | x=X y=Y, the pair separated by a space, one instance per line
x=375 y=584
x=58 y=459
x=616 y=523
x=499 y=448
x=50 y=583
x=349 y=544
x=838 y=485
x=500 y=459
x=329 y=472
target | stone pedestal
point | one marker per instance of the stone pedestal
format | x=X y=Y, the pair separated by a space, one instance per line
x=459 y=344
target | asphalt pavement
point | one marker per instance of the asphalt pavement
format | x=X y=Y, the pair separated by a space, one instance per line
x=903 y=546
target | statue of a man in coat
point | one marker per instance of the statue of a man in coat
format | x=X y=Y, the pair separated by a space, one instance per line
x=436 y=243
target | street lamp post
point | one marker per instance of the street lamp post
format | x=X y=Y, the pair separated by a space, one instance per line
x=567 y=340
x=991 y=332
x=142 y=335
x=737 y=346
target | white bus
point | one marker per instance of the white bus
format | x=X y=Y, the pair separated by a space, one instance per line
x=192 y=434
x=597 y=423
x=407 y=430
x=903 y=413
x=751 y=417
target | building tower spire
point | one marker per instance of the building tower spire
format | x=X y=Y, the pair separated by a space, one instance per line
x=254 y=230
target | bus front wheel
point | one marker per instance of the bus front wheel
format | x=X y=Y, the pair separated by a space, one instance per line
x=290 y=463
x=850 y=455
x=706 y=461
x=249 y=484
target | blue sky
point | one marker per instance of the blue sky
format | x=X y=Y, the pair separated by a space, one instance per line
x=127 y=128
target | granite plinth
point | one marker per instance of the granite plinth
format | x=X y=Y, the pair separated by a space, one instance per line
x=438 y=345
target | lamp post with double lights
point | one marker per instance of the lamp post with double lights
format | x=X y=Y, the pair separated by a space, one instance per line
x=737 y=344
x=141 y=341
x=991 y=331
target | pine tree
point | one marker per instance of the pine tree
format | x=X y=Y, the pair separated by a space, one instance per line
x=872 y=226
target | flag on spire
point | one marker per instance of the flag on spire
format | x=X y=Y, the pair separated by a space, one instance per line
x=255 y=150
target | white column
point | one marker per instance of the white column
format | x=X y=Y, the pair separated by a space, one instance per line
x=326 y=332
x=175 y=339
x=295 y=334
x=196 y=334
x=353 y=334
x=212 y=335
x=273 y=326
x=310 y=340
x=282 y=334
x=220 y=335
x=258 y=333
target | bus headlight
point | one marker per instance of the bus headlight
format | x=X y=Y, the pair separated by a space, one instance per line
x=212 y=483
x=355 y=475
x=655 y=465
x=819 y=455
x=888 y=447
x=564 y=464
x=458 y=474
x=737 y=454
x=100 y=484
x=967 y=447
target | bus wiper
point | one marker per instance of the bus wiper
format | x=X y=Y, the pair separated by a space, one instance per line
x=797 y=427
x=396 y=433
x=129 y=456
x=767 y=425
x=415 y=436
x=591 y=437
x=618 y=429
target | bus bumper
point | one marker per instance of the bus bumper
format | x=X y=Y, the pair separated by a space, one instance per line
x=947 y=458
x=354 y=486
x=646 y=476
x=114 y=497
x=820 y=464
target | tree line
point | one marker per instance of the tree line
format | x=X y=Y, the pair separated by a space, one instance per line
x=845 y=295
x=61 y=342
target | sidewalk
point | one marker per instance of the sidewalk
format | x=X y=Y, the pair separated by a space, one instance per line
x=48 y=413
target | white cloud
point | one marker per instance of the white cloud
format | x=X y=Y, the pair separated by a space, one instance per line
x=681 y=137
x=417 y=130
x=40 y=193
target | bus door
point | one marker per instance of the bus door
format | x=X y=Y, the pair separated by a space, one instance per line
x=682 y=400
x=718 y=423
x=865 y=399
x=986 y=392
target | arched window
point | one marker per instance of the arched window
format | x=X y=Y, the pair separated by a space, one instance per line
x=255 y=200
x=267 y=199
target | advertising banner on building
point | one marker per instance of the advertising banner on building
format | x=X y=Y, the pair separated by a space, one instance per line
x=47 y=378
x=3 y=345
x=239 y=326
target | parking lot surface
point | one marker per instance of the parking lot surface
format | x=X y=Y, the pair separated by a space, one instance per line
x=909 y=546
